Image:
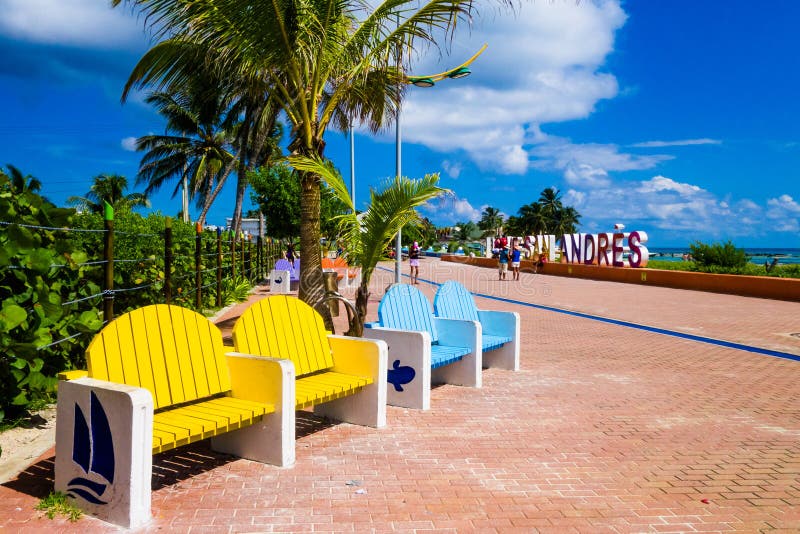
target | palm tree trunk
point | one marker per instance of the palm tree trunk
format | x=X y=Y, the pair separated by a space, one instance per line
x=311 y=284
x=362 y=299
x=213 y=196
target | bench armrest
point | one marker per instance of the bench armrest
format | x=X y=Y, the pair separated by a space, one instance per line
x=111 y=424
x=409 y=366
x=358 y=356
x=458 y=333
x=261 y=379
x=499 y=323
x=73 y=375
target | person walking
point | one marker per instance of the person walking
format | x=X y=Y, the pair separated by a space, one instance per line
x=515 y=257
x=413 y=262
x=290 y=253
x=503 y=259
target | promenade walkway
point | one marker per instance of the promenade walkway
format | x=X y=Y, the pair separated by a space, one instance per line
x=606 y=428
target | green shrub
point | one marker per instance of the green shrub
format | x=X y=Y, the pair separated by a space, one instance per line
x=43 y=320
x=718 y=257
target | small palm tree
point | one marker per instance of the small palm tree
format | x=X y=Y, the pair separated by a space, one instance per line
x=491 y=221
x=367 y=235
x=109 y=188
x=22 y=183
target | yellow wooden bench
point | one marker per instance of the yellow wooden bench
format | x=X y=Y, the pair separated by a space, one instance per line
x=341 y=377
x=158 y=378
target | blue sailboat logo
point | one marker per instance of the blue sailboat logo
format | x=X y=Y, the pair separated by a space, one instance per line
x=93 y=451
x=399 y=375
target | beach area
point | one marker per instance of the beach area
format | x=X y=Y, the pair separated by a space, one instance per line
x=605 y=428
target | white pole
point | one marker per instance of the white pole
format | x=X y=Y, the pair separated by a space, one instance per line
x=352 y=166
x=399 y=163
x=185 y=200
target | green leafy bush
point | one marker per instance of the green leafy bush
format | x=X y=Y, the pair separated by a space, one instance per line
x=42 y=284
x=718 y=257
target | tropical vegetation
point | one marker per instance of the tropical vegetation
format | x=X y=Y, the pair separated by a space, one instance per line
x=321 y=63
x=109 y=189
x=547 y=215
x=366 y=236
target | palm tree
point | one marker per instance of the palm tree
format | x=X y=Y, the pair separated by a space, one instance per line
x=195 y=145
x=550 y=200
x=532 y=219
x=327 y=62
x=567 y=221
x=22 y=183
x=109 y=188
x=368 y=234
x=491 y=221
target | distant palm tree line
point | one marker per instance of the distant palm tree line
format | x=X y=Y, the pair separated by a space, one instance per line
x=547 y=215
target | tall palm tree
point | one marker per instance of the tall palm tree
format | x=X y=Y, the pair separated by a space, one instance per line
x=550 y=200
x=195 y=145
x=109 y=188
x=491 y=221
x=327 y=61
x=367 y=235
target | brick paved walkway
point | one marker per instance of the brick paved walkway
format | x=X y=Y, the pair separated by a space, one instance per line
x=605 y=429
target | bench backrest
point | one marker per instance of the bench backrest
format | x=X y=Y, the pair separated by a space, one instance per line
x=281 y=326
x=405 y=307
x=173 y=352
x=284 y=265
x=454 y=301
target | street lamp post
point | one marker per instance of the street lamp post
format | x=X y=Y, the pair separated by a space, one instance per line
x=461 y=71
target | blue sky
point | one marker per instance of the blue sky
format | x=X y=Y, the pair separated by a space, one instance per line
x=675 y=117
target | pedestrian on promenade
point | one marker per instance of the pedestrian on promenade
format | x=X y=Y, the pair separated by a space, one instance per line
x=290 y=253
x=413 y=262
x=503 y=266
x=515 y=257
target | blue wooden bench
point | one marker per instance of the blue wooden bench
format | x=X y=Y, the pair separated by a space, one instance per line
x=423 y=348
x=500 y=329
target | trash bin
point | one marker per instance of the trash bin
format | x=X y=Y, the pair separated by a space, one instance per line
x=332 y=284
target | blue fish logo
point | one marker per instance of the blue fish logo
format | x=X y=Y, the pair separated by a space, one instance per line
x=399 y=375
x=278 y=280
x=93 y=451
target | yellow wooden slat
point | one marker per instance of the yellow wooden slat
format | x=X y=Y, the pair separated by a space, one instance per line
x=284 y=336
x=184 y=346
x=112 y=353
x=199 y=342
x=96 y=358
x=162 y=396
x=172 y=378
x=140 y=351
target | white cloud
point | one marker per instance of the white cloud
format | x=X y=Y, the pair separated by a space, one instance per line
x=451 y=209
x=453 y=169
x=586 y=175
x=662 y=183
x=784 y=214
x=682 y=142
x=588 y=164
x=542 y=66
x=129 y=144
x=666 y=204
x=81 y=23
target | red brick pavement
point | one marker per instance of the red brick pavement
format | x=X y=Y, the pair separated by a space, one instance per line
x=605 y=429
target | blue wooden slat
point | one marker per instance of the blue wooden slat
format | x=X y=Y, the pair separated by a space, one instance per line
x=453 y=301
x=405 y=307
